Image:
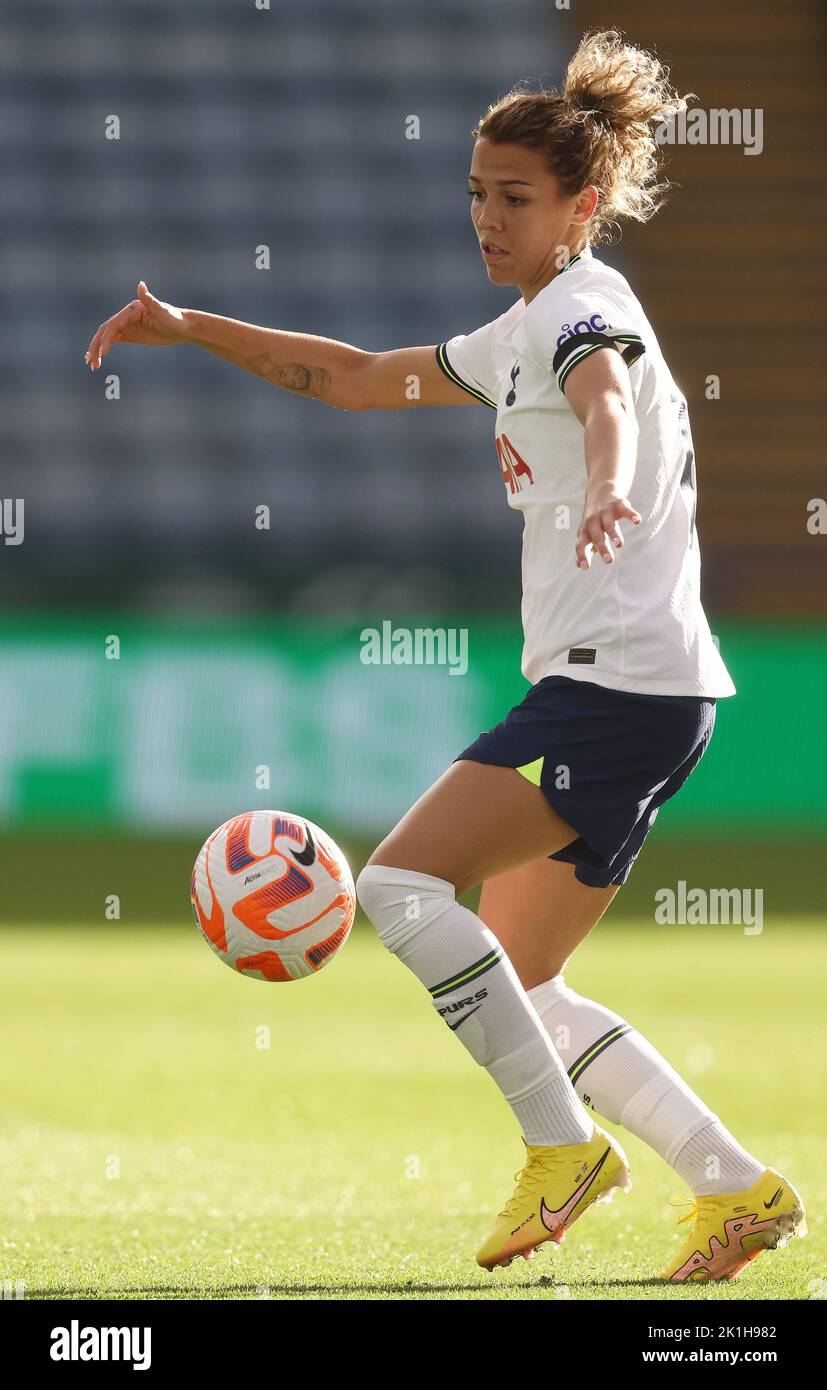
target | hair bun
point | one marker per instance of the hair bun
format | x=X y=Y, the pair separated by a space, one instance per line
x=596 y=108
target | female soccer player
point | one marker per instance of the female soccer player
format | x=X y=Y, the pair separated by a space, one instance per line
x=550 y=809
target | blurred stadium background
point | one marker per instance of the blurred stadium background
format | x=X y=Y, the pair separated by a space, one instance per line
x=127 y=1052
x=240 y=647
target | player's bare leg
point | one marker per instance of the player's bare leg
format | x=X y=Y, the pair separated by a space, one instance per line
x=477 y=821
x=474 y=822
x=540 y=913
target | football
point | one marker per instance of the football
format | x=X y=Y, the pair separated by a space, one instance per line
x=273 y=895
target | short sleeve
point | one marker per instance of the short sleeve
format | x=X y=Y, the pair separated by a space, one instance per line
x=468 y=360
x=579 y=320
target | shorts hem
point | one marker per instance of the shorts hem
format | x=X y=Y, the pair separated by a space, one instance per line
x=600 y=875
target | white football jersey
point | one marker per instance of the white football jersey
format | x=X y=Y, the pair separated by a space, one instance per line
x=637 y=624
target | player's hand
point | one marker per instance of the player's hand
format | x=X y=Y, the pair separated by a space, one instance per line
x=599 y=529
x=146 y=320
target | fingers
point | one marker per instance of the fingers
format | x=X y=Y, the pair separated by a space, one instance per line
x=107 y=339
x=593 y=536
x=92 y=350
x=589 y=540
x=169 y=315
x=612 y=529
x=625 y=509
x=599 y=531
x=111 y=332
x=600 y=539
x=149 y=301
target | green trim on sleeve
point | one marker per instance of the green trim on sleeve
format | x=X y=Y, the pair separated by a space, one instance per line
x=445 y=365
x=630 y=346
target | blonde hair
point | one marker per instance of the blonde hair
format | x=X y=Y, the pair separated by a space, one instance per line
x=598 y=129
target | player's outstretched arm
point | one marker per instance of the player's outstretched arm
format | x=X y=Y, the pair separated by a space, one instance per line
x=326 y=370
x=599 y=393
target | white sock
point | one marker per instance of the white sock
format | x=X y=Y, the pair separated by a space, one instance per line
x=478 y=992
x=621 y=1075
x=713 y=1161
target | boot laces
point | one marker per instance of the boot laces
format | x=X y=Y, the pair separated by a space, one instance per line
x=696 y=1206
x=538 y=1168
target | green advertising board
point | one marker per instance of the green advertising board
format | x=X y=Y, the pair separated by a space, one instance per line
x=139 y=725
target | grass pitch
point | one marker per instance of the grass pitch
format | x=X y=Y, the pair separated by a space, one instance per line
x=172 y=1131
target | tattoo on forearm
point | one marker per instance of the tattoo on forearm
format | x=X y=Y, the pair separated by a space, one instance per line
x=293 y=376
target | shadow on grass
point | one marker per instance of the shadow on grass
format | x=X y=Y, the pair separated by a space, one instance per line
x=274 y=1291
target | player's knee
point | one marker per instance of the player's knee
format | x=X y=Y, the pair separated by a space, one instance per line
x=371 y=891
x=400 y=902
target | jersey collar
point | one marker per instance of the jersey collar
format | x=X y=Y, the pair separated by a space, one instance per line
x=584 y=255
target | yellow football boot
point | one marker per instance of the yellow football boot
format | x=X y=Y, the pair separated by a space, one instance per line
x=558 y=1183
x=731 y=1228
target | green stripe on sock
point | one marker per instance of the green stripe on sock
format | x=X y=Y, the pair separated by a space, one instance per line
x=586 y=1058
x=466 y=976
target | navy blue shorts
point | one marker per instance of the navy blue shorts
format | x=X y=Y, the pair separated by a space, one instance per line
x=606 y=761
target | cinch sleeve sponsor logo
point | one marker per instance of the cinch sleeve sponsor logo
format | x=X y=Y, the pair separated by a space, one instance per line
x=574 y=347
x=596 y=324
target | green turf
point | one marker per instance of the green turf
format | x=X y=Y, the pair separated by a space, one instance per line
x=363 y=1153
